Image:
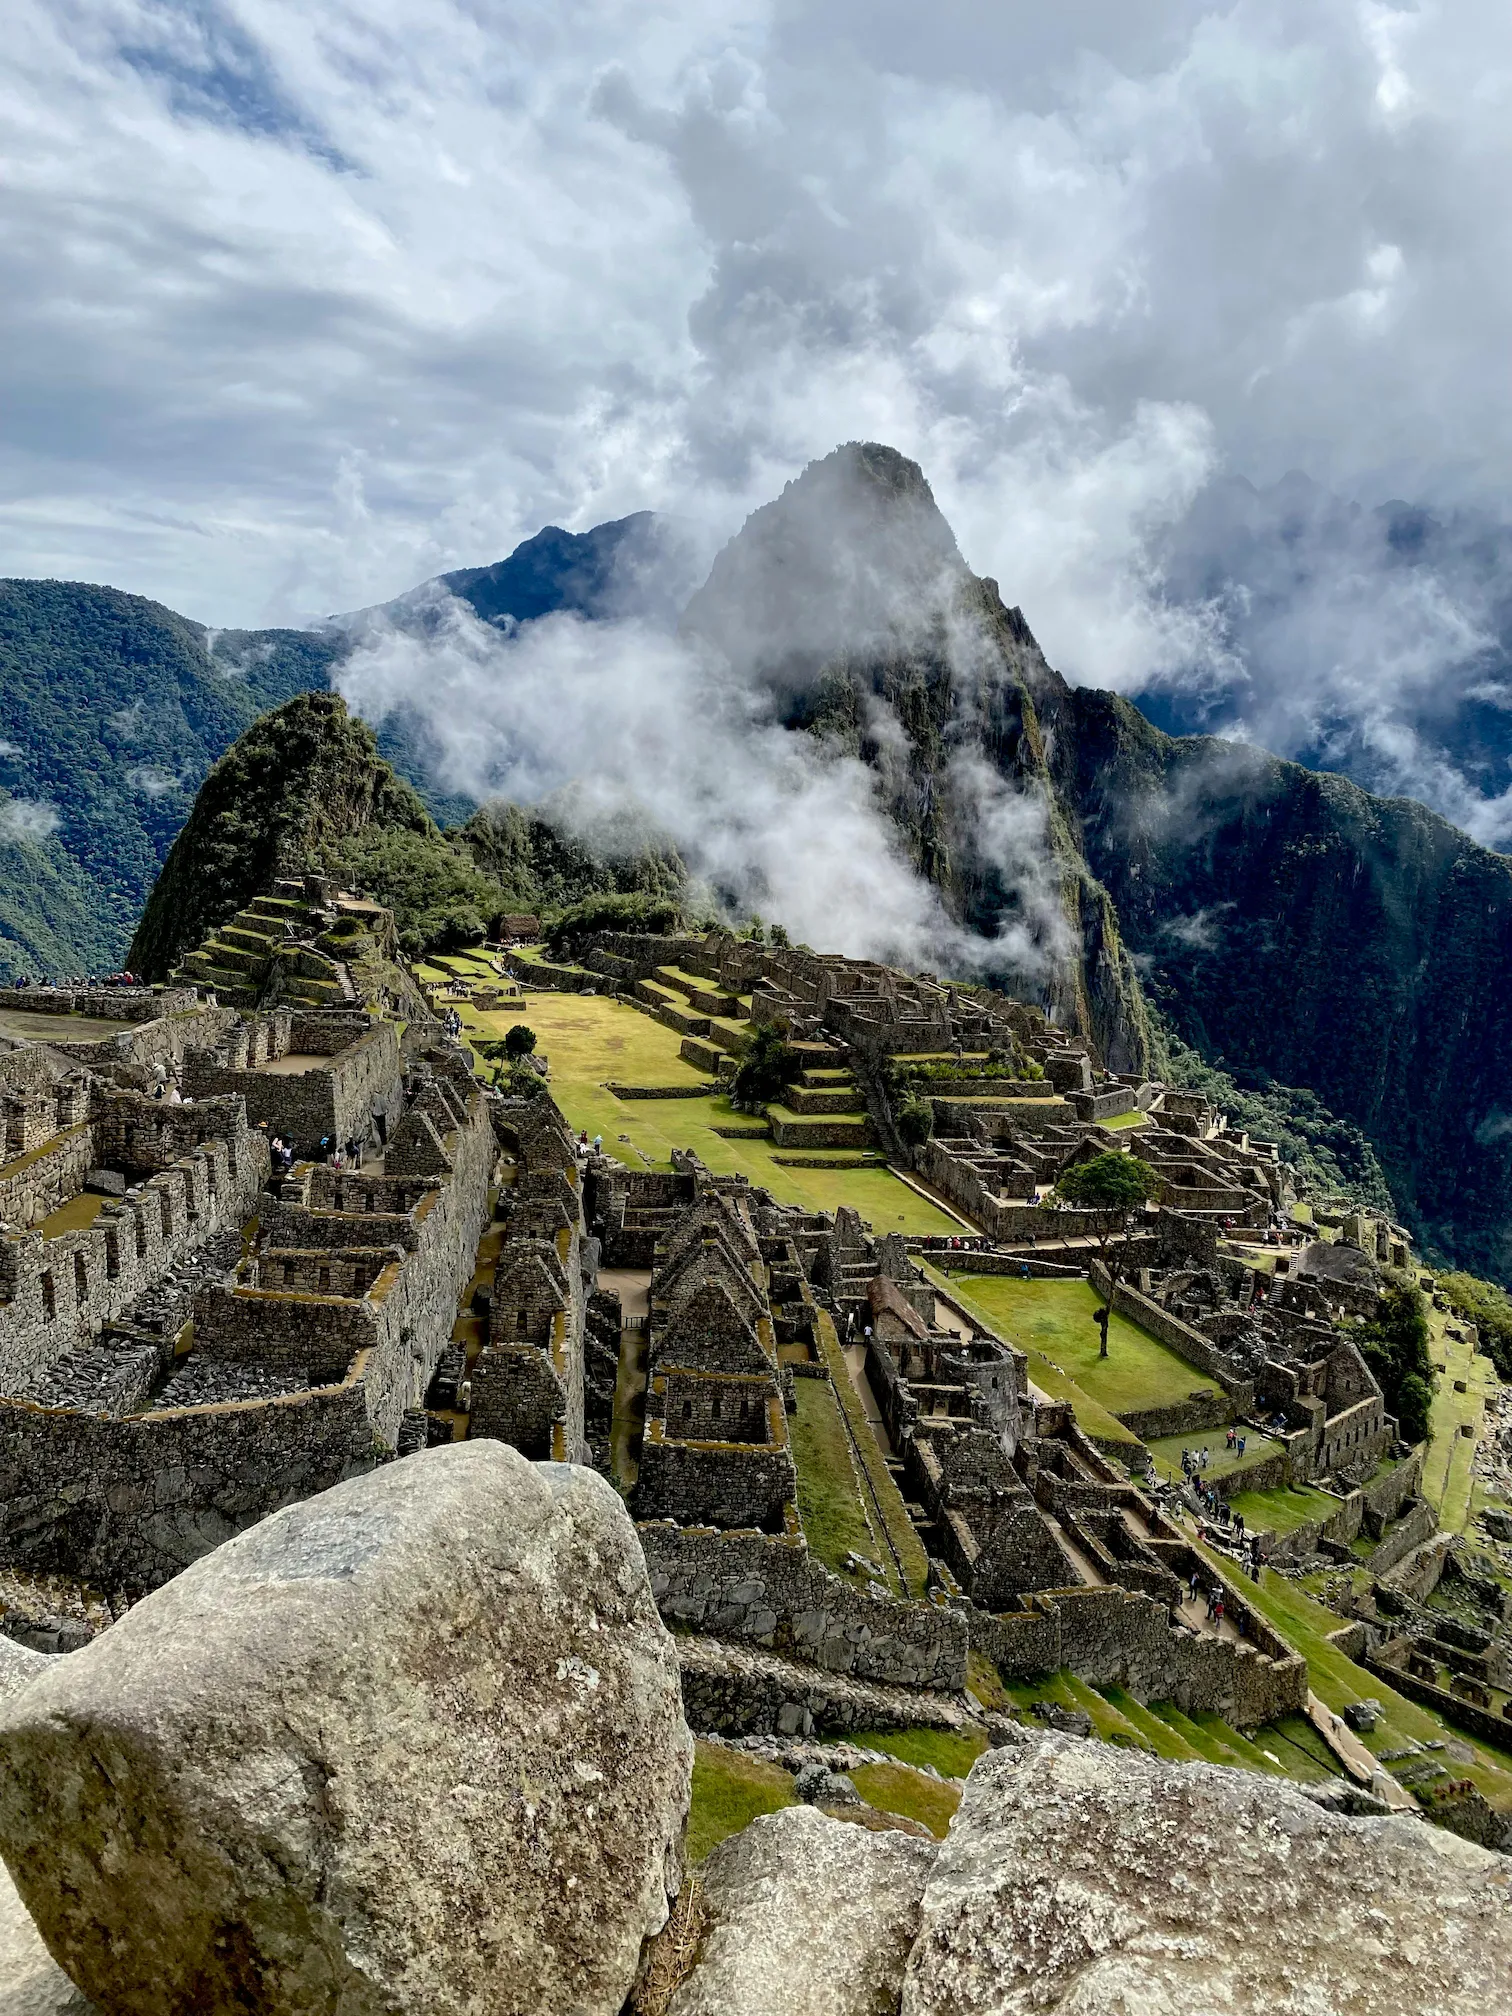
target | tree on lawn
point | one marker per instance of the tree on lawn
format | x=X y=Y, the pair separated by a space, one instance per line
x=1116 y=1186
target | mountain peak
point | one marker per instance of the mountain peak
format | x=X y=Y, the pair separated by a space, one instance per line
x=853 y=556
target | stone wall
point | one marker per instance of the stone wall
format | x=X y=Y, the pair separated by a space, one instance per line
x=1177 y=1336
x=770 y=1591
x=1114 y=1638
x=331 y=1100
x=127 y=1503
x=735 y=1690
x=54 y=1292
x=727 y=1484
x=1199 y=1412
x=38 y=1182
x=1369 y=1509
x=104 y=1004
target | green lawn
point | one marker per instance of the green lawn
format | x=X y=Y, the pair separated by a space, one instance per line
x=893 y=1788
x=1282 y=1510
x=945 y=1751
x=1337 y=1681
x=1134 y=1119
x=1222 y=1462
x=829 y=1497
x=591 y=1039
x=729 y=1790
x=1055 y=1319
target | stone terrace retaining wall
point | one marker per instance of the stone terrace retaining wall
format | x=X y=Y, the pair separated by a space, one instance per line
x=772 y=1593
x=735 y=1690
x=104 y=1004
x=127 y=1503
x=1112 y=1637
x=1370 y=1509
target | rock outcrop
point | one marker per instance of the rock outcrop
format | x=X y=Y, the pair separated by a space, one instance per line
x=31 y=1981
x=415 y=1745
x=806 y=1917
x=1081 y=1881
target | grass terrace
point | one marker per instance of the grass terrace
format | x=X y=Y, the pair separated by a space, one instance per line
x=1222 y=1462
x=591 y=1039
x=1448 y=1478
x=1337 y=1680
x=1054 y=1321
x=1284 y=1509
x=830 y=1505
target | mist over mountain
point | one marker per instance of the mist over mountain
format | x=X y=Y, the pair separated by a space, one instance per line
x=849 y=731
x=1376 y=643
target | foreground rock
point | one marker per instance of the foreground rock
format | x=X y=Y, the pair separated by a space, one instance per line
x=413 y=1745
x=806 y=1917
x=1086 y=1881
x=31 y=1981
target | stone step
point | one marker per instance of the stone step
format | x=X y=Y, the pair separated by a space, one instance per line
x=791 y=1130
x=810 y=1102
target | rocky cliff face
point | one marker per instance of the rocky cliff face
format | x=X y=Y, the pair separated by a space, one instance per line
x=1303 y=930
x=1287 y=922
x=848 y=602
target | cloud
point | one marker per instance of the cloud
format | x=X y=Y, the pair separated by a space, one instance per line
x=153 y=780
x=598 y=720
x=303 y=303
x=28 y=819
x=1200 y=931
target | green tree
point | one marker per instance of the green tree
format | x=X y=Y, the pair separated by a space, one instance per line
x=916 y=1121
x=769 y=1065
x=519 y=1041
x=1394 y=1344
x=1116 y=1186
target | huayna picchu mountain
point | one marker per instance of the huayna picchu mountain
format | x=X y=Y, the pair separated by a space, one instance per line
x=1285 y=924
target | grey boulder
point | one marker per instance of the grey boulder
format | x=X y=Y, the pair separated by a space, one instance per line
x=806 y=1916
x=415 y=1745
x=1086 y=1881
x=31 y=1981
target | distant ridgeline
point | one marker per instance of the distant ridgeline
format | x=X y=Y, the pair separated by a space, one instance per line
x=1293 y=931
x=113 y=710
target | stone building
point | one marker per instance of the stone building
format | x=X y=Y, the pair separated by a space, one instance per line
x=715 y=1448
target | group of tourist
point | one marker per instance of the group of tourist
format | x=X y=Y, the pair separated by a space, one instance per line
x=338 y=1154
x=65 y=983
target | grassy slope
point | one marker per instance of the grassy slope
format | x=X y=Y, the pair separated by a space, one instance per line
x=829 y=1496
x=591 y=1039
x=1055 y=1319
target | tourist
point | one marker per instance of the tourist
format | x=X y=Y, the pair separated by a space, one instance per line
x=354 y=1151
